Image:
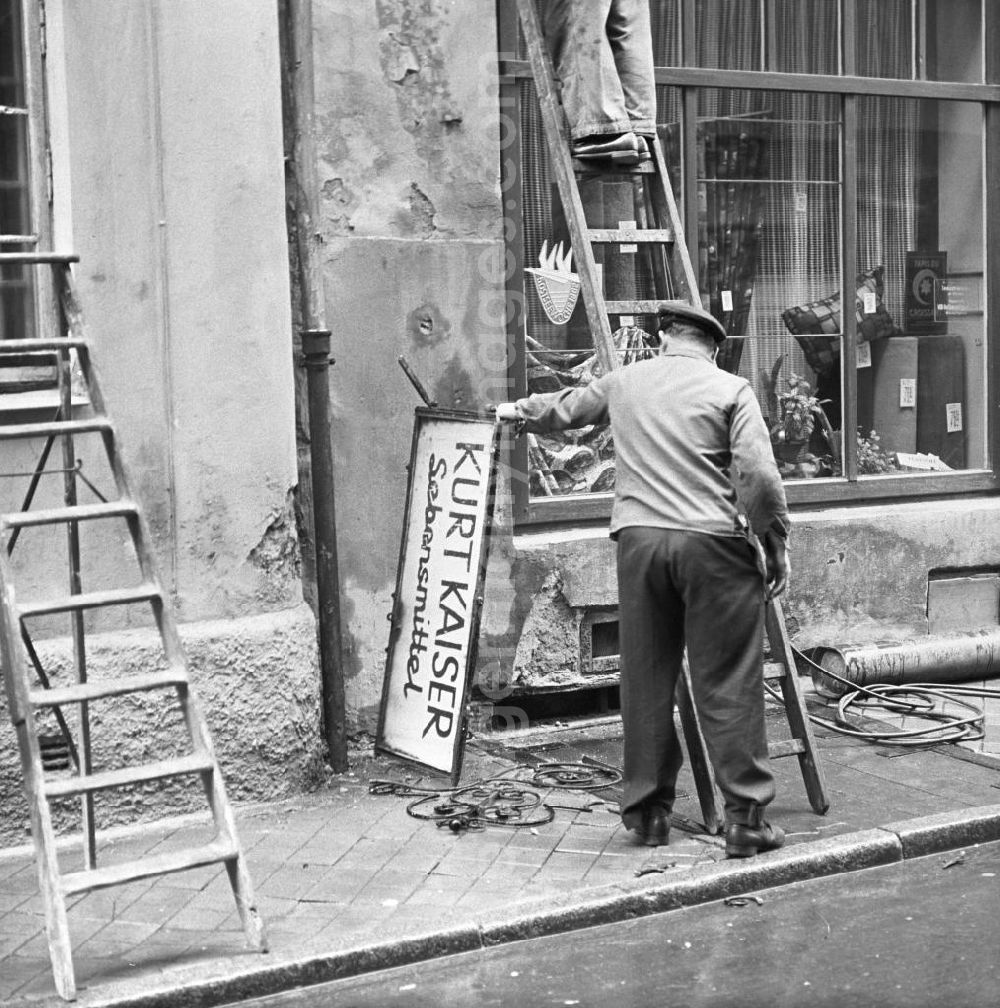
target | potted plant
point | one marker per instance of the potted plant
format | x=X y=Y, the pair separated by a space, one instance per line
x=799 y=412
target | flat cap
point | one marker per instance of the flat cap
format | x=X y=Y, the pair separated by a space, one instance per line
x=681 y=311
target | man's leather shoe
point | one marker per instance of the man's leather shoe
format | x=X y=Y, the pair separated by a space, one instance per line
x=745 y=841
x=655 y=830
x=621 y=148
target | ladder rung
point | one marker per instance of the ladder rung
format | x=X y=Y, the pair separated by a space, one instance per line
x=90 y=600
x=10 y=346
x=79 y=512
x=632 y=307
x=99 y=688
x=147 y=867
x=790 y=747
x=774 y=670
x=54 y=428
x=176 y=766
x=39 y=258
x=581 y=167
x=630 y=236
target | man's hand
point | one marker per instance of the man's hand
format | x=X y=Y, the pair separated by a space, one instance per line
x=507 y=412
x=777 y=564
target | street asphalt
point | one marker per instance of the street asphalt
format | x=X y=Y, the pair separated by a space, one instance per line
x=350 y=882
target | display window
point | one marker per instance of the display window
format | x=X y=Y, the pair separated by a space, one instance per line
x=831 y=162
x=16 y=289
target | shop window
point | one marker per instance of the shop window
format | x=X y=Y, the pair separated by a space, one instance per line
x=770 y=178
x=16 y=291
x=938 y=40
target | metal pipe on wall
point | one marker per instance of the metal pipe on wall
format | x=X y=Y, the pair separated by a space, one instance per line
x=307 y=279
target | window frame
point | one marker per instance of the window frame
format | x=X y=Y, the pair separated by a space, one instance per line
x=39 y=236
x=851 y=488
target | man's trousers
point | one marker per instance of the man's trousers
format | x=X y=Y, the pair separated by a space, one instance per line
x=678 y=588
x=602 y=53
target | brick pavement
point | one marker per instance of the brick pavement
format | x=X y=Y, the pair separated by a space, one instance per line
x=343 y=869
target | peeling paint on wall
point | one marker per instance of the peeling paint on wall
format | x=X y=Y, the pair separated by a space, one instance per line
x=339 y=200
x=276 y=556
x=413 y=60
x=421 y=218
x=399 y=58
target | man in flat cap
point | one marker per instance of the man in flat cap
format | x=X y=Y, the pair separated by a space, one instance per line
x=691 y=450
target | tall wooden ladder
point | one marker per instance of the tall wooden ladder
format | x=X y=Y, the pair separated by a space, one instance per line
x=659 y=230
x=32 y=704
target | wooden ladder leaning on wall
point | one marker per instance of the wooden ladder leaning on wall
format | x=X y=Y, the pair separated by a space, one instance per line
x=27 y=702
x=661 y=235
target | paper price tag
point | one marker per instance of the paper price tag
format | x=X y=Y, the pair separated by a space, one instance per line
x=869 y=302
x=953 y=416
x=626 y=320
x=627 y=225
x=864 y=355
x=727 y=300
x=907 y=392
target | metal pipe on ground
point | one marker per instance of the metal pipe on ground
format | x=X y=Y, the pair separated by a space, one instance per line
x=941 y=658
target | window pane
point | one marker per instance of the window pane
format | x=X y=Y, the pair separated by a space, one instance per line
x=560 y=353
x=728 y=35
x=16 y=282
x=804 y=36
x=920 y=218
x=955 y=34
x=664 y=18
x=933 y=40
x=768 y=259
x=885 y=39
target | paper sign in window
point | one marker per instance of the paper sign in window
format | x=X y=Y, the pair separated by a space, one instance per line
x=953 y=416
x=907 y=392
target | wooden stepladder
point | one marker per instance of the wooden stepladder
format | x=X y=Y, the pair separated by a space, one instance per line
x=660 y=234
x=28 y=703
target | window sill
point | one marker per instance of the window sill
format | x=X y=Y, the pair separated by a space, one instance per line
x=580 y=509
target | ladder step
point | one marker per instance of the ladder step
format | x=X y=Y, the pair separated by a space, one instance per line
x=54 y=428
x=632 y=307
x=156 y=864
x=602 y=168
x=789 y=747
x=98 y=688
x=176 y=766
x=774 y=670
x=13 y=346
x=79 y=512
x=630 y=236
x=91 y=600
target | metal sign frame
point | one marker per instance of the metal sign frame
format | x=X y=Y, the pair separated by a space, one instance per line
x=438 y=601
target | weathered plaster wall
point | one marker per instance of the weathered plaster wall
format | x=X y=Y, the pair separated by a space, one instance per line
x=254 y=678
x=858 y=575
x=411 y=217
x=167 y=120
x=177 y=211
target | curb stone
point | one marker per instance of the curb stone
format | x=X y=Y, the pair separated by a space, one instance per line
x=603 y=905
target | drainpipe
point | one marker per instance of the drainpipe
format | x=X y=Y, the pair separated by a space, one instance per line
x=303 y=198
x=316 y=356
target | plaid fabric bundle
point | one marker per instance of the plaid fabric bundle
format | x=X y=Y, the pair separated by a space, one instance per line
x=812 y=323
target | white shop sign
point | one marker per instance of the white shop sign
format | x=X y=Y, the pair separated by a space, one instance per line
x=438 y=599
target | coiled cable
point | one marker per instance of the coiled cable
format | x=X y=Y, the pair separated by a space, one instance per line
x=926 y=701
